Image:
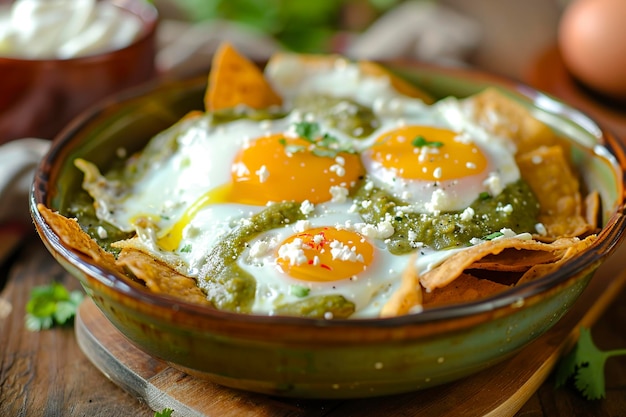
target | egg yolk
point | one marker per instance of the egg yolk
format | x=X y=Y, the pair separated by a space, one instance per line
x=277 y=168
x=427 y=153
x=324 y=254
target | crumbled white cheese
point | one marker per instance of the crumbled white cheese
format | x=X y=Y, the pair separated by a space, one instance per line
x=259 y=248
x=494 y=184
x=339 y=194
x=541 y=229
x=508 y=209
x=343 y=252
x=464 y=137
x=437 y=202
x=102 y=233
x=263 y=173
x=307 y=207
x=467 y=214
x=301 y=226
x=293 y=252
x=240 y=169
x=381 y=230
x=506 y=232
x=318 y=239
x=338 y=169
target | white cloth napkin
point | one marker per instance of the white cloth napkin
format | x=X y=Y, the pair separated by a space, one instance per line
x=18 y=161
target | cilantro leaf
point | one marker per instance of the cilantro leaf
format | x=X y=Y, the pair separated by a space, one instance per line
x=49 y=305
x=484 y=195
x=308 y=130
x=166 y=412
x=421 y=141
x=493 y=235
x=322 y=145
x=585 y=365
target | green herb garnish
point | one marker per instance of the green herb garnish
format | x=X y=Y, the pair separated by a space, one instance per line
x=49 y=305
x=322 y=145
x=585 y=364
x=493 y=235
x=420 y=141
x=166 y=412
x=484 y=196
x=289 y=148
x=299 y=290
x=186 y=248
x=308 y=130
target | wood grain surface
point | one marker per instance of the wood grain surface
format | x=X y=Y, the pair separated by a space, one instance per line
x=47 y=373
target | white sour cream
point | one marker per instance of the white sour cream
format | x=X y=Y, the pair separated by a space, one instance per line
x=62 y=29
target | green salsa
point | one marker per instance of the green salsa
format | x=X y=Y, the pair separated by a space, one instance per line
x=515 y=208
x=319 y=307
x=342 y=114
x=226 y=285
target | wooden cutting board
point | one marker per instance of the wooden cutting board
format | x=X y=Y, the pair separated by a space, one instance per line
x=499 y=391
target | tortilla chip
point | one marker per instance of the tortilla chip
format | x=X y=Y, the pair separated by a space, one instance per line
x=235 y=81
x=547 y=172
x=192 y=115
x=70 y=232
x=514 y=260
x=407 y=297
x=506 y=117
x=399 y=84
x=544 y=269
x=465 y=288
x=160 y=278
x=454 y=266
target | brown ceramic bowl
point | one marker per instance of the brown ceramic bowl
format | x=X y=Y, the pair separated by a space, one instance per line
x=40 y=96
x=301 y=357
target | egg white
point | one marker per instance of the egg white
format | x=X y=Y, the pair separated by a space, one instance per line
x=433 y=197
x=273 y=285
x=292 y=76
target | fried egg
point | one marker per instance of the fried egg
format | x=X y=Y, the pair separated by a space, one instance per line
x=325 y=254
x=198 y=181
x=440 y=166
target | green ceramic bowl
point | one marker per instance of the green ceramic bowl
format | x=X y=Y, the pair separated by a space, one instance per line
x=301 y=357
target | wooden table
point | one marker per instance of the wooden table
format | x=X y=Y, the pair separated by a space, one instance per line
x=47 y=374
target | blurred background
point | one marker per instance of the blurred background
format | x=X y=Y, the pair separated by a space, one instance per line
x=501 y=36
x=516 y=39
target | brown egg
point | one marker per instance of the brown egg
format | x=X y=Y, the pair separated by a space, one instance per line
x=592 y=40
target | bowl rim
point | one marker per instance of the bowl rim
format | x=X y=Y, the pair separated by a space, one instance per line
x=608 y=238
